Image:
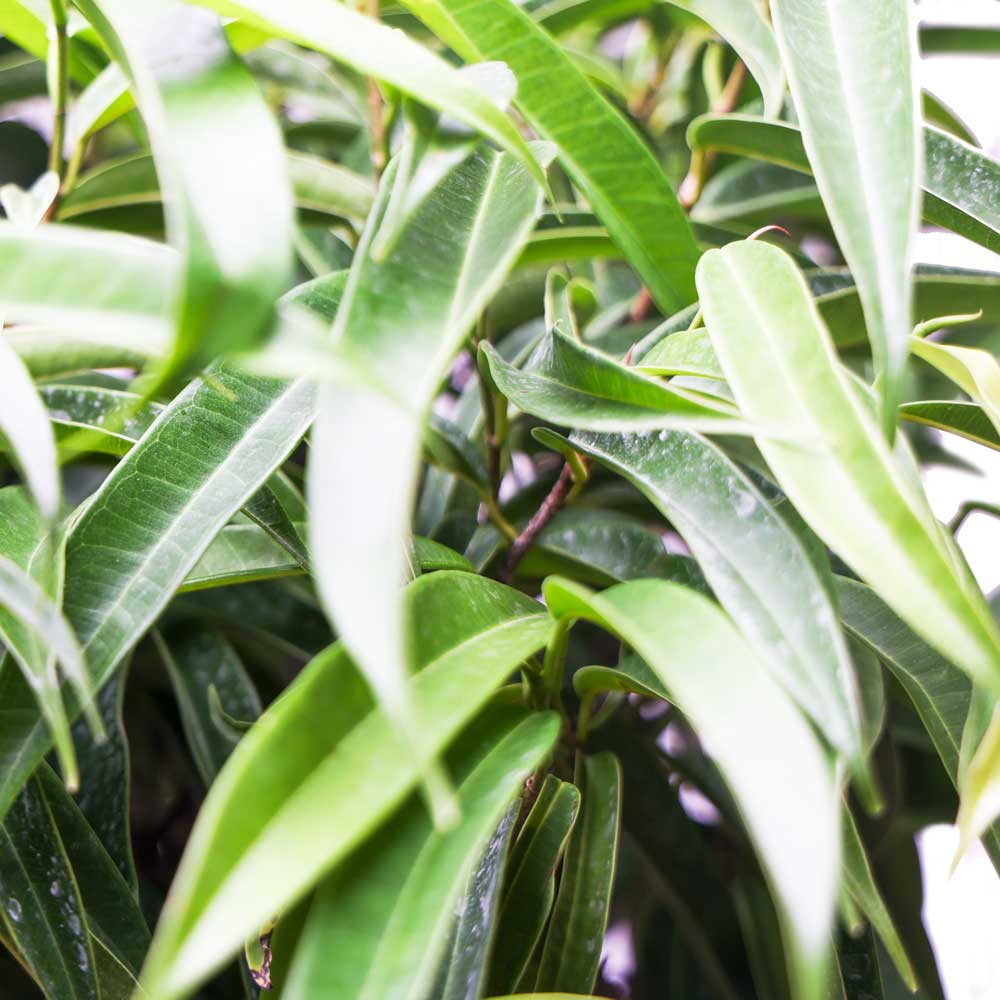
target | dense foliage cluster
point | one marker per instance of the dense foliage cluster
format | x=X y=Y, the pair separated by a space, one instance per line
x=451 y=533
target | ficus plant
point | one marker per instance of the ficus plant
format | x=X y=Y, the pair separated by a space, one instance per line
x=463 y=532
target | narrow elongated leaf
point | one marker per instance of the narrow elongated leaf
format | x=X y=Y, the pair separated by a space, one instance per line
x=402 y=319
x=573 y=385
x=238 y=554
x=377 y=927
x=205 y=456
x=529 y=887
x=47 y=926
x=573 y=944
x=940 y=692
x=755 y=564
x=332 y=772
x=375 y=50
x=974 y=371
x=751 y=728
x=859 y=496
x=613 y=168
x=232 y=273
x=967 y=420
x=198 y=663
x=864 y=144
x=743 y=26
x=960 y=183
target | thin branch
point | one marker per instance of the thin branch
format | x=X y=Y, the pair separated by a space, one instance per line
x=376 y=110
x=971 y=507
x=59 y=90
x=550 y=506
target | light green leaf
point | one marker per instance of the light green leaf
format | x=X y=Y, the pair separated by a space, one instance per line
x=529 y=887
x=966 y=420
x=401 y=321
x=232 y=273
x=755 y=564
x=372 y=49
x=960 y=183
x=573 y=385
x=149 y=523
x=319 y=770
x=860 y=497
x=376 y=929
x=613 y=167
x=865 y=146
x=238 y=554
x=742 y=25
x=572 y=952
x=687 y=352
x=750 y=728
x=974 y=371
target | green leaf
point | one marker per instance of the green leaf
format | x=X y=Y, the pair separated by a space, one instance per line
x=317 y=768
x=198 y=662
x=232 y=273
x=401 y=321
x=755 y=564
x=940 y=692
x=529 y=886
x=960 y=182
x=864 y=143
x=752 y=729
x=944 y=39
x=573 y=385
x=614 y=169
x=860 y=497
x=964 y=419
x=42 y=909
x=974 y=371
x=372 y=49
x=240 y=553
x=743 y=26
x=687 y=352
x=149 y=523
x=377 y=927
x=572 y=951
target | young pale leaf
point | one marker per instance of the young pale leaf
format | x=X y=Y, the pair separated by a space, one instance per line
x=529 y=887
x=862 y=134
x=940 y=692
x=401 y=320
x=211 y=175
x=758 y=739
x=572 y=952
x=147 y=526
x=756 y=565
x=974 y=371
x=377 y=927
x=742 y=25
x=571 y=384
x=612 y=166
x=960 y=183
x=389 y=55
x=322 y=774
x=860 y=497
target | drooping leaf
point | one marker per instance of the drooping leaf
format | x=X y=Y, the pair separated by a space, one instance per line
x=573 y=385
x=974 y=371
x=375 y=50
x=862 y=498
x=377 y=927
x=232 y=273
x=613 y=168
x=752 y=729
x=865 y=146
x=401 y=320
x=967 y=420
x=529 y=886
x=333 y=773
x=755 y=564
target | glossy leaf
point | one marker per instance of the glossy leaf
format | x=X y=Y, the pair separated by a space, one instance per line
x=572 y=951
x=149 y=523
x=333 y=772
x=752 y=729
x=401 y=320
x=967 y=420
x=377 y=927
x=390 y=56
x=529 y=888
x=613 y=168
x=756 y=565
x=860 y=497
x=232 y=274
x=864 y=143
x=570 y=384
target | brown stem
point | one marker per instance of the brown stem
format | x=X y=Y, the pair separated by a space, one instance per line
x=549 y=508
